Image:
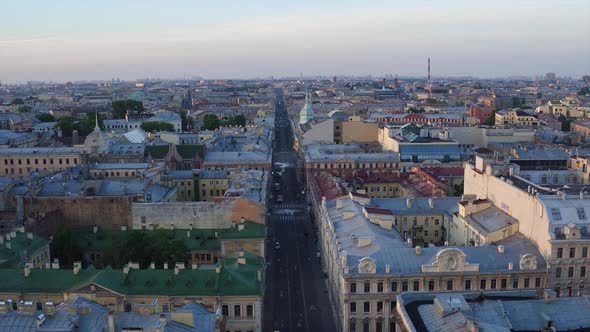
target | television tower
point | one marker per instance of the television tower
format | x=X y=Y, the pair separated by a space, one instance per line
x=428 y=70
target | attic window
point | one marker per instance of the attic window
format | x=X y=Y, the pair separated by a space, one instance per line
x=581 y=214
x=555 y=214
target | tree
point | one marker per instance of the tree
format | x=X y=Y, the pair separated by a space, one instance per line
x=459 y=189
x=45 y=117
x=584 y=91
x=565 y=123
x=120 y=107
x=24 y=108
x=68 y=124
x=416 y=110
x=211 y=122
x=491 y=120
x=64 y=247
x=17 y=101
x=152 y=126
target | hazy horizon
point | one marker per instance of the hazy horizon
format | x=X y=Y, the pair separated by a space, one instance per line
x=74 y=41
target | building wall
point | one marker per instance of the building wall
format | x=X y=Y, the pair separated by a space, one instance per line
x=218 y=214
x=320 y=132
x=211 y=188
x=359 y=131
x=46 y=214
x=254 y=246
x=19 y=165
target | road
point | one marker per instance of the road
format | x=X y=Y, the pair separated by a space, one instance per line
x=296 y=298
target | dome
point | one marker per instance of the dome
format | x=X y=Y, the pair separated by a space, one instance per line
x=306 y=114
x=96 y=141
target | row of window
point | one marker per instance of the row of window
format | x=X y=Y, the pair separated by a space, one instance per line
x=114 y=174
x=571 y=272
x=572 y=252
x=450 y=285
x=352 y=166
x=60 y=161
x=237 y=311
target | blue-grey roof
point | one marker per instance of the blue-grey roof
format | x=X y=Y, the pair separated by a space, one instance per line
x=108 y=166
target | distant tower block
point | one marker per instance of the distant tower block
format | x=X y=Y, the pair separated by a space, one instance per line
x=428 y=87
x=384 y=83
x=429 y=70
x=395 y=82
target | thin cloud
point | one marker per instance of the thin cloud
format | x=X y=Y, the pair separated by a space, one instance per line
x=27 y=40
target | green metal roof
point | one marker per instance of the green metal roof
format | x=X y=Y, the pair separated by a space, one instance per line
x=11 y=257
x=187 y=151
x=233 y=279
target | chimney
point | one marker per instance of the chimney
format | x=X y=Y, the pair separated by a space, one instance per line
x=126 y=269
x=27 y=270
x=581 y=194
x=409 y=203
x=55 y=264
x=152 y=266
x=387 y=268
x=162 y=322
x=188 y=234
x=111 y=322
x=240 y=227
x=338 y=203
x=431 y=203
x=40 y=319
x=95 y=229
x=123 y=228
x=29 y=235
x=218 y=269
x=501 y=249
x=21 y=229
x=194 y=266
x=510 y=266
x=77 y=267
x=166 y=266
x=171 y=227
x=190 y=226
x=176 y=270
x=242 y=220
x=418 y=250
x=446 y=243
x=151 y=227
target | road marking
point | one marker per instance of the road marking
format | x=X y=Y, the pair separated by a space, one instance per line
x=302 y=289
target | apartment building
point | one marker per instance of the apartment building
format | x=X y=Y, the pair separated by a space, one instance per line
x=368 y=263
x=554 y=217
x=516 y=117
x=19 y=162
x=212 y=184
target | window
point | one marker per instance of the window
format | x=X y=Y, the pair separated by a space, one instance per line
x=353 y=307
x=572 y=252
x=237 y=310
x=225 y=310
x=366 y=325
x=559 y=252
x=558 y=272
x=435 y=233
x=449 y=285
x=555 y=214
x=581 y=214
x=431 y=285
x=380 y=307
x=249 y=311
x=367 y=307
x=416 y=285
x=493 y=284
x=537 y=282
x=367 y=287
x=515 y=283
x=380 y=287
x=394 y=286
x=379 y=326
x=582 y=272
x=467 y=284
x=570 y=272
x=425 y=233
x=482 y=284
x=527 y=282
x=166 y=307
x=404 y=286
x=585 y=252
x=353 y=287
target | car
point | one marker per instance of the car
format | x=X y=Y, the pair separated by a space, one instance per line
x=277 y=245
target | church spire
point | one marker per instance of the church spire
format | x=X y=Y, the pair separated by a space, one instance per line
x=96 y=127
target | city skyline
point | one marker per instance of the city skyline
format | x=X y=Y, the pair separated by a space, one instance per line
x=71 y=41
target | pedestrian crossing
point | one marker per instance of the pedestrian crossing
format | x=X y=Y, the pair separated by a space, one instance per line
x=290 y=206
x=284 y=218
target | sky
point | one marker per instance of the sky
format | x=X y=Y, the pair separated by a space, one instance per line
x=70 y=40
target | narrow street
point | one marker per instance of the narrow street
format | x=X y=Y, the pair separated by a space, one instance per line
x=296 y=298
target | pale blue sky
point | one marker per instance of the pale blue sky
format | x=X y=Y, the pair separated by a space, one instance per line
x=76 y=40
